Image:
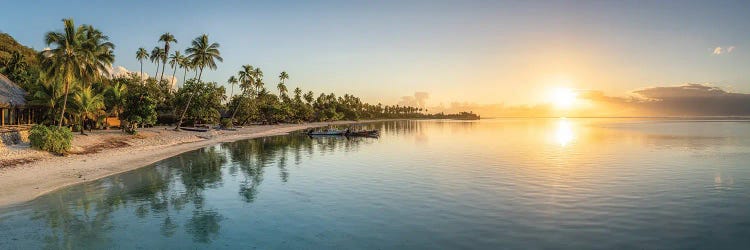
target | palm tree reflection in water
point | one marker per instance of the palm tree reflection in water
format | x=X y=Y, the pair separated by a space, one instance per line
x=83 y=216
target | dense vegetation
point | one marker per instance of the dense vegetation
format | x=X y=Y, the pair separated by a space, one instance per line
x=72 y=82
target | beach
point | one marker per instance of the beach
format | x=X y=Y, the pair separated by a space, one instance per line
x=27 y=173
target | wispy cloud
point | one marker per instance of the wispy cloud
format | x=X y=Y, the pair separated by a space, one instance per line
x=684 y=100
x=120 y=71
x=717 y=51
x=725 y=50
x=418 y=100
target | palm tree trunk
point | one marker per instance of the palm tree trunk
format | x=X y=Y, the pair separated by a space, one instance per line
x=200 y=74
x=175 y=79
x=164 y=64
x=184 y=112
x=157 y=69
x=65 y=104
x=184 y=77
x=141 y=76
x=83 y=125
x=235 y=110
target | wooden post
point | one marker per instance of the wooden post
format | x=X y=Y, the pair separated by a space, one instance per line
x=2 y=117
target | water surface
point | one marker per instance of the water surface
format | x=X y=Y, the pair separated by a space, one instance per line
x=490 y=184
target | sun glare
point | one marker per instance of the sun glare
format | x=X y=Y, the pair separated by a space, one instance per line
x=564 y=133
x=563 y=98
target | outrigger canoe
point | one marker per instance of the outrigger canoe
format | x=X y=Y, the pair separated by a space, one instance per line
x=334 y=132
x=196 y=129
x=326 y=132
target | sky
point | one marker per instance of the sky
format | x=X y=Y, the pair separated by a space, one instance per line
x=475 y=53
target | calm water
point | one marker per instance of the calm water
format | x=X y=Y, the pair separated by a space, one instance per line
x=502 y=183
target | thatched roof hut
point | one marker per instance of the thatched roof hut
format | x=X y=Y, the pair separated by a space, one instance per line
x=11 y=95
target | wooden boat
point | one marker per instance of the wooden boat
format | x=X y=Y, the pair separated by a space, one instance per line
x=326 y=132
x=196 y=129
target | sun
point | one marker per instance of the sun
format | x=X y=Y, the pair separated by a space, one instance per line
x=563 y=98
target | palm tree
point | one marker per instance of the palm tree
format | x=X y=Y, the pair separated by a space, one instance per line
x=246 y=83
x=88 y=105
x=13 y=64
x=99 y=53
x=76 y=54
x=141 y=54
x=174 y=61
x=204 y=54
x=156 y=57
x=283 y=76
x=166 y=38
x=116 y=94
x=185 y=64
x=282 y=80
x=48 y=95
x=298 y=93
x=232 y=81
x=258 y=76
x=246 y=77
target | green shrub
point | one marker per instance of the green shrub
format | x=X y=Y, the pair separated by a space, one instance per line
x=52 y=139
x=226 y=123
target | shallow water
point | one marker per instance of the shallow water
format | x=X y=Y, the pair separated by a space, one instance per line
x=490 y=184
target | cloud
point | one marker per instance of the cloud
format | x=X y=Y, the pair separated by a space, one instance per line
x=725 y=50
x=419 y=100
x=118 y=71
x=684 y=100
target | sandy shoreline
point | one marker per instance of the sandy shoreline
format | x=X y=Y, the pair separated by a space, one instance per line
x=108 y=152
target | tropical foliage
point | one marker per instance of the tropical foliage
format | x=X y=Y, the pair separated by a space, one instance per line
x=71 y=85
x=53 y=139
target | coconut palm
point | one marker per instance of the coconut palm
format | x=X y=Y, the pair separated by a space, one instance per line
x=283 y=76
x=204 y=54
x=246 y=77
x=155 y=57
x=47 y=95
x=174 y=61
x=232 y=81
x=246 y=80
x=166 y=38
x=115 y=96
x=99 y=53
x=76 y=54
x=141 y=54
x=116 y=92
x=258 y=76
x=15 y=63
x=282 y=80
x=88 y=105
x=184 y=64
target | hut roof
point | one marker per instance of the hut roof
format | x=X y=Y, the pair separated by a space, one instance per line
x=10 y=93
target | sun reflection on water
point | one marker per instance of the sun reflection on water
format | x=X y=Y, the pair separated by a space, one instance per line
x=564 y=134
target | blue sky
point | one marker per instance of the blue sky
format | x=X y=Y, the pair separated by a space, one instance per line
x=475 y=51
